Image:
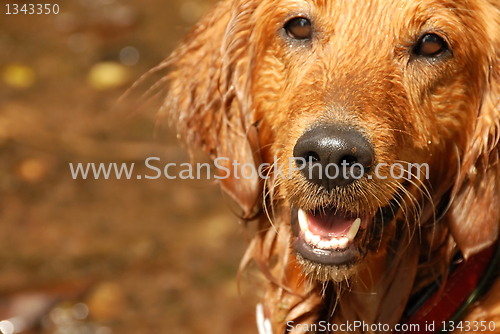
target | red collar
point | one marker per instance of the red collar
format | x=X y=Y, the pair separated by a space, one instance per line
x=449 y=303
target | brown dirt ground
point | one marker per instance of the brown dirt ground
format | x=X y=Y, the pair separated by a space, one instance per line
x=143 y=256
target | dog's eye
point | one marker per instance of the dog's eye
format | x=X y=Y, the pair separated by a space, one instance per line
x=299 y=28
x=430 y=46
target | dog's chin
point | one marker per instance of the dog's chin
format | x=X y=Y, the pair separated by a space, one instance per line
x=331 y=244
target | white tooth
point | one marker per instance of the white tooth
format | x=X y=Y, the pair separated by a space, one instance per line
x=322 y=244
x=343 y=242
x=354 y=229
x=303 y=220
x=315 y=239
x=309 y=236
x=334 y=242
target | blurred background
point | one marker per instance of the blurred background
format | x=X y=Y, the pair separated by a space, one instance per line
x=105 y=256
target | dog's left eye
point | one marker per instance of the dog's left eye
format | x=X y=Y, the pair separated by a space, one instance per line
x=299 y=28
x=430 y=46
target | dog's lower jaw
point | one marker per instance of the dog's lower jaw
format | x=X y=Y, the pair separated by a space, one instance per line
x=325 y=273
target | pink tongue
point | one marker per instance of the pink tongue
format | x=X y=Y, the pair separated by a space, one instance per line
x=329 y=224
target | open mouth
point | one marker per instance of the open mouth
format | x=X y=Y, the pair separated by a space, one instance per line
x=337 y=239
x=328 y=236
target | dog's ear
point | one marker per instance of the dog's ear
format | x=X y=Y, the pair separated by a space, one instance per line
x=474 y=216
x=209 y=97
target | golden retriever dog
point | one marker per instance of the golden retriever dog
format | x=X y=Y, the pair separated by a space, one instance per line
x=377 y=123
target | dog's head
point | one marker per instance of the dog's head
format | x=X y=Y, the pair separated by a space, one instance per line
x=384 y=115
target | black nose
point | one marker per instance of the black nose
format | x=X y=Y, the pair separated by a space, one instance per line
x=333 y=156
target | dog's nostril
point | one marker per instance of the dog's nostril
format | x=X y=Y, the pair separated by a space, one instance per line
x=312 y=157
x=334 y=156
x=349 y=160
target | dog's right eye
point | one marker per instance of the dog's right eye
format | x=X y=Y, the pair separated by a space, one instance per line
x=431 y=46
x=299 y=28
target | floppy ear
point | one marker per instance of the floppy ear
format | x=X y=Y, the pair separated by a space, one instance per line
x=209 y=96
x=474 y=216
